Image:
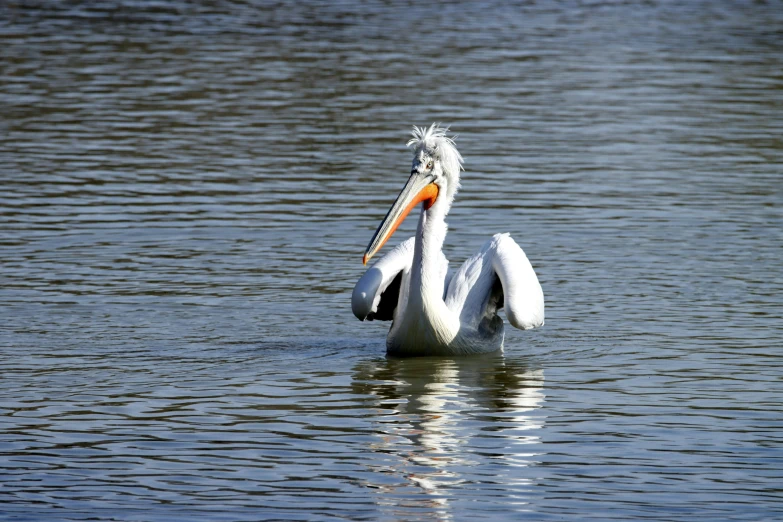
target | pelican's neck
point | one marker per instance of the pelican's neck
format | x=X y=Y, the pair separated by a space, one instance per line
x=428 y=269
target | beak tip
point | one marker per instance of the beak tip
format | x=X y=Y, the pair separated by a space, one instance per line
x=364 y=260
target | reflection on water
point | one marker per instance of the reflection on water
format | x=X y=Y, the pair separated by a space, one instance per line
x=452 y=422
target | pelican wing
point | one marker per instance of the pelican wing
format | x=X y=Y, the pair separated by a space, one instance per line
x=498 y=276
x=377 y=293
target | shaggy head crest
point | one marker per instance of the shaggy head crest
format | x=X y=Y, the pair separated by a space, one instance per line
x=438 y=145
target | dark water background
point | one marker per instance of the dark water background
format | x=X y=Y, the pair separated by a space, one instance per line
x=186 y=191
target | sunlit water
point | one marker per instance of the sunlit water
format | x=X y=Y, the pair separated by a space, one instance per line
x=186 y=193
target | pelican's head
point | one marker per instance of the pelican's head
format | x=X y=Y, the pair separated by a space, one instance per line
x=434 y=180
x=436 y=155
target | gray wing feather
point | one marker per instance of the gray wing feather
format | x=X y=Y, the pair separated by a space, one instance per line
x=376 y=294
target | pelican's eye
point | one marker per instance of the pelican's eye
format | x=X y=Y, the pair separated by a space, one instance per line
x=429 y=165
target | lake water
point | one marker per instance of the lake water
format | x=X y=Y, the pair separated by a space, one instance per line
x=186 y=193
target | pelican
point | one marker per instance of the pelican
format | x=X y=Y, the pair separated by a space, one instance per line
x=433 y=311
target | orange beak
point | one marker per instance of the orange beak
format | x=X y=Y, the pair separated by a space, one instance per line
x=418 y=189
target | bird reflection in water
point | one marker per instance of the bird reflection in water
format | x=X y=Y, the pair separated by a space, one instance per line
x=441 y=416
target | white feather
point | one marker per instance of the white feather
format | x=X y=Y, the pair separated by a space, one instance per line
x=523 y=296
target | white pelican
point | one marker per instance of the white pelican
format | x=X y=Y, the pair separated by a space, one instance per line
x=435 y=312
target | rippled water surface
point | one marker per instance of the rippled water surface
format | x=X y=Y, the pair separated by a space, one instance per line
x=186 y=192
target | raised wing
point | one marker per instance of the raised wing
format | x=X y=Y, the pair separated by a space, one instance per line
x=498 y=276
x=377 y=293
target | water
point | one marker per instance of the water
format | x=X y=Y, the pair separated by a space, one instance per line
x=186 y=193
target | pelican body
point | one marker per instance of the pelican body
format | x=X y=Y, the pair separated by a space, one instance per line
x=433 y=311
